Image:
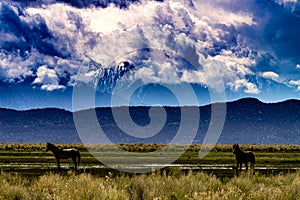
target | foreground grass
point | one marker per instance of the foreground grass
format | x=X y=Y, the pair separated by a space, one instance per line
x=152 y=186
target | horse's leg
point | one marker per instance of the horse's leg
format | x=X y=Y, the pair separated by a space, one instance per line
x=75 y=162
x=78 y=161
x=253 y=168
x=246 y=164
x=58 y=164
x=241 y=164
x=237 y=168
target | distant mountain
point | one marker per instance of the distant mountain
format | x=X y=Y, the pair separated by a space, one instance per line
x=39 y=125
x=108 y=77
x=251 y=121
x=247 y=121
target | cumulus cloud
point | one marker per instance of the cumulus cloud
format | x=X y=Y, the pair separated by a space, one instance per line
x=270 y=75
x=248 y=87
x=13 y=66
x=47 y=78
x=295 y=83
x=26 y=42
x=190 y=33
x=220 y=41
x=147 y=75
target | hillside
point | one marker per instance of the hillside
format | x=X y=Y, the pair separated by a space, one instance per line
x=247 y=121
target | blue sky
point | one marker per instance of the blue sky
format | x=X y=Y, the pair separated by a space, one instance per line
x=246 y=48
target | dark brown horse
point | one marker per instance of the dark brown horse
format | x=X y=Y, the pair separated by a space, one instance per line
x=243 y=157
x=60 y=153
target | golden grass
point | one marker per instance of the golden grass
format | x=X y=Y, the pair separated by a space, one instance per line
x=156 y=186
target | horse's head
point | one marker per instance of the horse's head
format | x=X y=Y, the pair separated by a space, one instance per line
x=48 y=147
x=235 y=147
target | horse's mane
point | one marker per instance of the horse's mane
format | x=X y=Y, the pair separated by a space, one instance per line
x=52 y=145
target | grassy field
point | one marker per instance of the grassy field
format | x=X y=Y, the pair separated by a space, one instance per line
x=266 y=155
x=154 y=186
x=28 y=172
x=281 y=155
x=32 y=159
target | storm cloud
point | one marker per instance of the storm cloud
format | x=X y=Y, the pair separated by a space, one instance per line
x=49 y=41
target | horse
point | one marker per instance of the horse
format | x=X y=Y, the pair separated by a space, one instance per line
x=60 y=153
x=243 y=157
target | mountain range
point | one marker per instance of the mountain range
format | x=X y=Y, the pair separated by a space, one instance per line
x=247 y=121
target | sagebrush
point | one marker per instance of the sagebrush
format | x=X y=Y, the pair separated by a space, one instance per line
x=149 y=186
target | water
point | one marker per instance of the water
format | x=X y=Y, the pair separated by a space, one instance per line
x=50 y=166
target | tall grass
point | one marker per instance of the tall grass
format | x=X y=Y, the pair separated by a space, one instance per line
x=157 y=186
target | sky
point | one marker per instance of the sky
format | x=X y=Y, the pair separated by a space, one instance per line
x=228 y=48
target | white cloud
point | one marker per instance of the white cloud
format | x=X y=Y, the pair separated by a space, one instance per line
x=288 y=1
x=47 y=78
x=295 y=83
x=212 y=74
x=270 y=75
x=213 y=12
x=147 y=75
x=45 y=75
x=50 y=87
x=188 y=30
x=212 y=35
x=298 y=66
x=14 y=66
x=249 y=88
x=289 y=4
x=94 y=31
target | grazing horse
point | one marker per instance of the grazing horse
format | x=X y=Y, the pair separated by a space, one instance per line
x=60 y=153
x=243 y=157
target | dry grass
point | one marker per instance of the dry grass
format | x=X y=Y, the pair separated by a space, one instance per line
x=152 y=186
